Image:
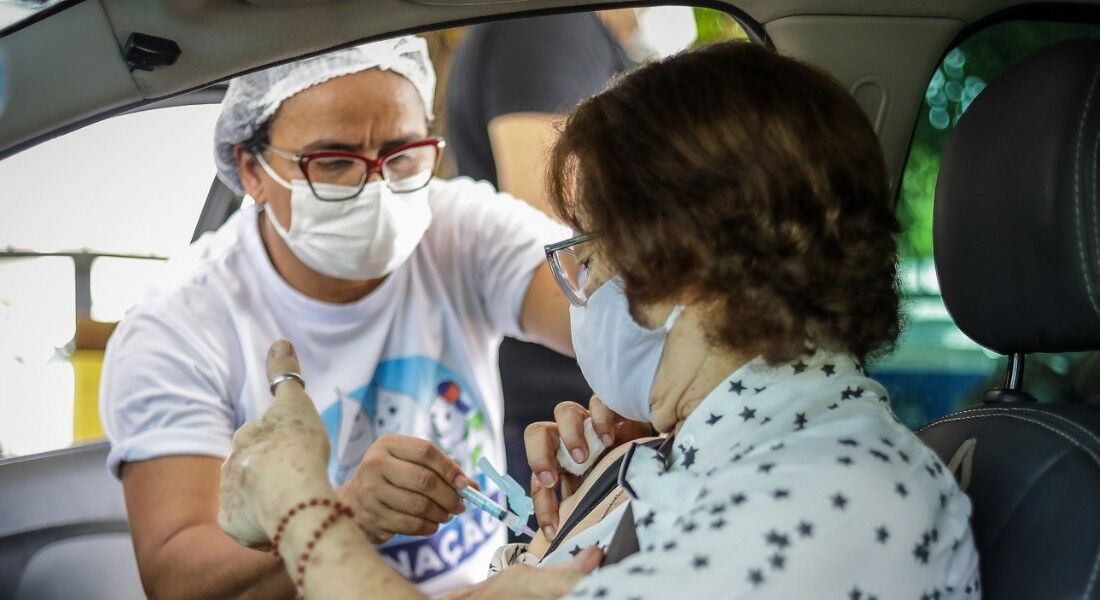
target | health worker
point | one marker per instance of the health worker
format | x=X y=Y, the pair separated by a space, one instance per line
x=395 y=289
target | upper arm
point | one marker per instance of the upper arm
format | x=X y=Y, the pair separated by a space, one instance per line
x=181 y=552
x=166 y=387
x=495 y=246
x=167 y=495
x=545 y=313
x=521 y=143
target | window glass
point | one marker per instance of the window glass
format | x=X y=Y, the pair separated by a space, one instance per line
x=936 y=368
x=119 y=282
x=131 y=185
x=37 y=320
x=13 y=11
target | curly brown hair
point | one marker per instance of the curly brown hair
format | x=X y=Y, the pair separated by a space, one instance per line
x=749 y=180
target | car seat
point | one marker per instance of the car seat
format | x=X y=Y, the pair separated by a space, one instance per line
x=63 y=530
x=1017 y=249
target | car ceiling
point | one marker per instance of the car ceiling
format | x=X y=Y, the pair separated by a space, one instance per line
x=66 y=69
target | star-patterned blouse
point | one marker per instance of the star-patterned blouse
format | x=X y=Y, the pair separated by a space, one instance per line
x=794 y=481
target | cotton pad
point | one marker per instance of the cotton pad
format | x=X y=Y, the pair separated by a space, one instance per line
x=595 y=449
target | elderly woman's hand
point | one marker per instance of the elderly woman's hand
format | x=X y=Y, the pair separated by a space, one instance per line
x=277 y=461
x=542 y=441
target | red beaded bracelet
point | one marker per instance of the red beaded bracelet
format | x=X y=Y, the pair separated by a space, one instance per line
x=293 y=511
x=339 y=510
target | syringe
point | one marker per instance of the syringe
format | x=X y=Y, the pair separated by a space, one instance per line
x=498 y=512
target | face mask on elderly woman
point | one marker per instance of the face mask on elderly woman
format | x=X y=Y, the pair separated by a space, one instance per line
x=618 y=357
x=364 y=237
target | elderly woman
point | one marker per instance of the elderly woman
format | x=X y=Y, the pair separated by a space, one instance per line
x=733 y=274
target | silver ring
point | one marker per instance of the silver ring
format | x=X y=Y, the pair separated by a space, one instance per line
x=286 y=376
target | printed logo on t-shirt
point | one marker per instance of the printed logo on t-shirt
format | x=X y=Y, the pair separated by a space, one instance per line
x=419 y=559
x=420 y=397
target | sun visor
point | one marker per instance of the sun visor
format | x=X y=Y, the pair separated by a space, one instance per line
x=59 y=67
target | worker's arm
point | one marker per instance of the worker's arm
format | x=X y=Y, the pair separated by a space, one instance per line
x=173 y=506
x=521 y=143
x=181 y=552
x=545 y=313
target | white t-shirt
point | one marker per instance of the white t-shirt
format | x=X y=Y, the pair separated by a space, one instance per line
x=788 y=481
x=417 y=356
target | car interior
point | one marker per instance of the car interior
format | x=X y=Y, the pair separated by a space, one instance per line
x=1003 y=299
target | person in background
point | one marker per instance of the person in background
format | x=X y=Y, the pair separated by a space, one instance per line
x=396 y=289
x=511 y=84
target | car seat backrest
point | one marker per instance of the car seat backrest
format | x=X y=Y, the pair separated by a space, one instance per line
x=1017 y=249
x=63 y=529
x=1033 y=477
x=1017 y=209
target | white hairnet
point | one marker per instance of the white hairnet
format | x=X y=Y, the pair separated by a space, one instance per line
x=253 y=98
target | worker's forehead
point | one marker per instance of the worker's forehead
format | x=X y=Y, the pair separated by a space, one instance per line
x=368 y=106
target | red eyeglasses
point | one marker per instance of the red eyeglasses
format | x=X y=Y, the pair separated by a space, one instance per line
x=337 y=175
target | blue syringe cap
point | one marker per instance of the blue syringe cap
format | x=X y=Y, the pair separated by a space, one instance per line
x=519 y=503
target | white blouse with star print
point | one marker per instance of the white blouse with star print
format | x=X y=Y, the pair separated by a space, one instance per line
x=794 y=481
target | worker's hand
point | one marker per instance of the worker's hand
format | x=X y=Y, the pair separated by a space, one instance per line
x=542 y=441
x=534 y=583
x=404 y=485
x=276 y=462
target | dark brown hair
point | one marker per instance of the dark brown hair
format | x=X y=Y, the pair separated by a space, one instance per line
x=748 y=179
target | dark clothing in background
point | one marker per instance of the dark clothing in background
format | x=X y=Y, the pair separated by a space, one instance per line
x=539 y=64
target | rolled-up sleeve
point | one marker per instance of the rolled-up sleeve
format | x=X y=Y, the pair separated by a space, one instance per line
x=502 y=245
x=165 y=390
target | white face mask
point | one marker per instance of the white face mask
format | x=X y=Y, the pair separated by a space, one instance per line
x=364 y=237
x=617 y=356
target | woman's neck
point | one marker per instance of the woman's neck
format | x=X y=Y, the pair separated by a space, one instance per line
x=689 y=371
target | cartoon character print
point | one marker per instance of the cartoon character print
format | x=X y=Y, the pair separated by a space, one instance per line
x=393 y=413
x=358 y=437
x=413 y=396
x=420 y=397
x=455 y=422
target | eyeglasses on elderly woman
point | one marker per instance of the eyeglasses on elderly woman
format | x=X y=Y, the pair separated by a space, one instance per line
x=569 y=272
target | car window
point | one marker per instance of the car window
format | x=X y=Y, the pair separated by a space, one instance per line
x=13 y=11
x=936 y=369
x=133 y=185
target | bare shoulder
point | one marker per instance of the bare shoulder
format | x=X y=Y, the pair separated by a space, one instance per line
x=539 y=543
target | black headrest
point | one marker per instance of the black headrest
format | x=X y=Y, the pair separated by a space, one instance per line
x=1017 y=212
